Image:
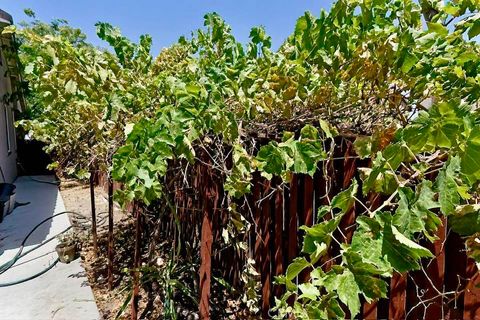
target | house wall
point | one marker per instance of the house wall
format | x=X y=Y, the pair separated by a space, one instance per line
x=8 y=146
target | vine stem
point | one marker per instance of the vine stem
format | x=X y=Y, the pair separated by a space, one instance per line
x=424 y=302
x=94 y=215
x=386 y=203
x=363 y=205
x=400 y=184
x=330 y=260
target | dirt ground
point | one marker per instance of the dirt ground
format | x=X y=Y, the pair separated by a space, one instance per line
x=76 y=197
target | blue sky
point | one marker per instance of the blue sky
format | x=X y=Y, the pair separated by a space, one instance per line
x=167 y=20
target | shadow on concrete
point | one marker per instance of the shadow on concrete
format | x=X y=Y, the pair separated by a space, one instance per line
x=62 y=292
x=16 y=226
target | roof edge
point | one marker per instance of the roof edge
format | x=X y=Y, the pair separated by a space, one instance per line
x=5 y=17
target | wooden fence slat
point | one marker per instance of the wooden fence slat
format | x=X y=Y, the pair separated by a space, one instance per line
x=257 y=228
x=93 y=212
x=278 y=268
x=307 y=213
x=266 y=263
x=349 y=169
x=398 y=296
x=349 y=165
x=430 y=283
x=472 y=292
x=206 y=248
x=291 y=216
x=293 y=219
x=136 y=263
x=455 y=275
x=369 y=311
x=205 y=267
x=308 y=201
x=436 y=273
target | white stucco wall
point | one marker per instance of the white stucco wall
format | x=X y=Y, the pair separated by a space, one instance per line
x=8 y=146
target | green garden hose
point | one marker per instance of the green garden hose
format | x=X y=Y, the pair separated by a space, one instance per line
x=4 y=267
x=8 y=284
x=9 y=264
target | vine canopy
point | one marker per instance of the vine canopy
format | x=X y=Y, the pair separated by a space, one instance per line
x=400 y=78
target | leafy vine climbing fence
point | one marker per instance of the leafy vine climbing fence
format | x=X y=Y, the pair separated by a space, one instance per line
x=276 y=211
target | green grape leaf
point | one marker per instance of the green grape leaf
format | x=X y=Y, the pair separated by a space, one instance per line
x=368 y=242
x=318 y=234
x=470 y=159
x=413 y=213
x=307 y=155
x=474 y=29
x=348 y=291
x=408 y=62
x=437 y=28
x=271 y=160
x=308 y=291
x=385 y=182
x=295 y=267
x=345 y=199
x=363 y=146
x=366 y=275
x=402 y=253
x=330 y=131
x=448 y=195
x=395 y=154
x=346 y=287
x=465 y=220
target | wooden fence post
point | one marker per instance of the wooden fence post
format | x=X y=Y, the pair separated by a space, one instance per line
x=94 y=215
x=110 y=232
x=266 y=253
x=136 y=261
x=436 y=272
x=206 y=247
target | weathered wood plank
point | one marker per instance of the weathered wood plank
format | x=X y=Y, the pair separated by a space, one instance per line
x=293 y=219
x=266 y=273
x=398 y=296
x=278 y=267
x=472 y=292
x=209 y=193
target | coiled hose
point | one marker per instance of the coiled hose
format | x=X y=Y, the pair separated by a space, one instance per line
x=9 y=264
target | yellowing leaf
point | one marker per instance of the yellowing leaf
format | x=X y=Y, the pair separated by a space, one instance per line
x=437 y=28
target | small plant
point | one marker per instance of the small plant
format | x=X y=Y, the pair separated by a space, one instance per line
x=172 y=277
x=67 y=246
x=68 y=238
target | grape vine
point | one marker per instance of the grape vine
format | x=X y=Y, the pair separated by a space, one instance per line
x=401 y=78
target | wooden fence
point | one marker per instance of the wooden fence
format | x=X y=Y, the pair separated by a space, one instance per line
x=276 y=211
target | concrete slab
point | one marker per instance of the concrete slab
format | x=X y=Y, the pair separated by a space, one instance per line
x=61 y=293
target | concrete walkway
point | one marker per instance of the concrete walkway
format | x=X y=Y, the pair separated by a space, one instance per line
x=61 y=293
